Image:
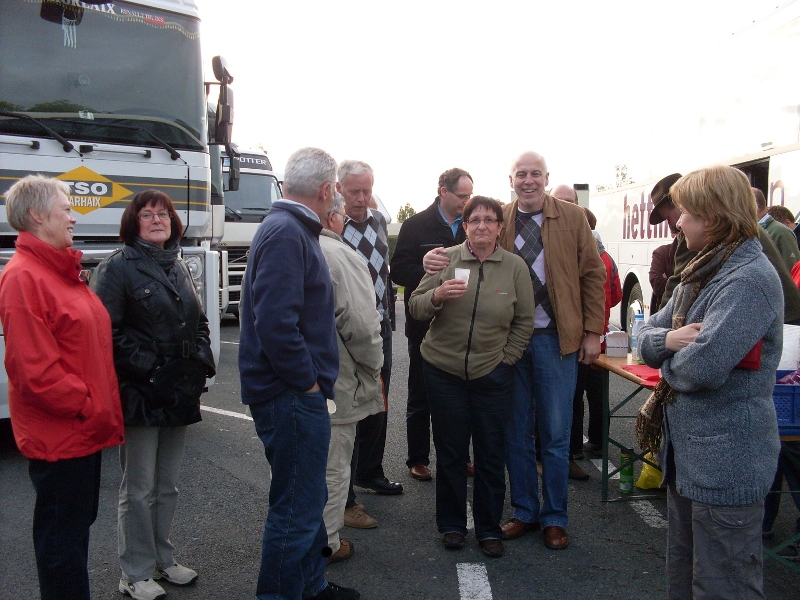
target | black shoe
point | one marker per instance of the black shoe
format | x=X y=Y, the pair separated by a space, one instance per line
x=492 y=548
x=593 y=450
x=336 y=592
x=381 y=485
x=453 y=540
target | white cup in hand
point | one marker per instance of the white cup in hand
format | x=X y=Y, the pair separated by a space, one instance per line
x=463 y=275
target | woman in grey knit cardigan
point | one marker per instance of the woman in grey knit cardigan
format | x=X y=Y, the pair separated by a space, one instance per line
x=714 y=421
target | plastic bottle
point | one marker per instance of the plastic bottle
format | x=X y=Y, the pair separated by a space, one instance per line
x=638 y=321
x=626 y=473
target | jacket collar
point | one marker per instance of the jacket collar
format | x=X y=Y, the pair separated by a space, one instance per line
x=495 y=256
x=66 y=262
x=315 y=227
x=150 y=267
x=549 y=209
x=747 y=252
x=331 y=234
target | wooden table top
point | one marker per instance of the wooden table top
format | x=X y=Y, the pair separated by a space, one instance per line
x=614 y=364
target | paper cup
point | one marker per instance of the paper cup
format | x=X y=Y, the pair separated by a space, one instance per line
x=463 y=275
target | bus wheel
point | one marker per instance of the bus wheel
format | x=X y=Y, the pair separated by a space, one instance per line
x=635 y=305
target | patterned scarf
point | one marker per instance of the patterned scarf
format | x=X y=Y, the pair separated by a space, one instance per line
x=701 y=270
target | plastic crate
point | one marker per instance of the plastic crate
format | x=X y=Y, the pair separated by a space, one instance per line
x=787 y=406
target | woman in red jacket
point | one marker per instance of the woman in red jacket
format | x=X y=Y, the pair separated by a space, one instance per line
x=62 y=386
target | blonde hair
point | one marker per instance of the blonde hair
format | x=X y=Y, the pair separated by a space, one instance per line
x=722 y=196
x=35 y=193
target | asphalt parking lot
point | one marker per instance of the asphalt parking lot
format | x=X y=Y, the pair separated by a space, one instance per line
x=617 y=548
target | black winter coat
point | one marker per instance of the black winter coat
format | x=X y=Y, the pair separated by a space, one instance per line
x=162 y=348
x=418 y=235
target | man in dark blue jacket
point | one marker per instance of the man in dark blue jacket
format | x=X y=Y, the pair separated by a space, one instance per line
x=288 y=363
x=439 y=225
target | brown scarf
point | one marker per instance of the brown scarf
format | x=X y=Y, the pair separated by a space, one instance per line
x=701 y=270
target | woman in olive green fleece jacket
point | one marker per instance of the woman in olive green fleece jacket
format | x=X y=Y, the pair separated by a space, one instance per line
x=482 y=323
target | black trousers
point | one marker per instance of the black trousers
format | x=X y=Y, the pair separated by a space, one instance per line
x=590 y=381
x=67 y=496
x=367 y=462
x=460 y=410
x=418 y=411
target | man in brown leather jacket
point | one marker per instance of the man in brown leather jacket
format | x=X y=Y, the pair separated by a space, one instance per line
x=556 y=242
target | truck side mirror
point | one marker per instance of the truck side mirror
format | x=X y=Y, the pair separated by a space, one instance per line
x=221 y=72
x=234 y=167
x=223 y=127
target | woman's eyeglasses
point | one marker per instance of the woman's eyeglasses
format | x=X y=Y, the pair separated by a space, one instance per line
x=148 y=216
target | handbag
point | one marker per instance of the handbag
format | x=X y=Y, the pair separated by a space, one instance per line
x=752 y=360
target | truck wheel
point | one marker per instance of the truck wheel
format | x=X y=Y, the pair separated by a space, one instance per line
x=635 y=305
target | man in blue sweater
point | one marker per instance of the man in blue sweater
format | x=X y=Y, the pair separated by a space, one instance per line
x=288 y=363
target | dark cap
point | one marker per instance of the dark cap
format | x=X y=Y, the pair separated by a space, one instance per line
x=660 y=195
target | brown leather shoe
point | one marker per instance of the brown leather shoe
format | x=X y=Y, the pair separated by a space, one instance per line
x=515 y=528
x=492 y=548
x=470 y=470
x=356 y=516
x=420 y=473
x=555 y=537
x=575 y=472
x=345 y=551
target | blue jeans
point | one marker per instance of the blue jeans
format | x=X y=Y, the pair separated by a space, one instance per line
x=295 y=429
x=460 y=408
x=544 y=385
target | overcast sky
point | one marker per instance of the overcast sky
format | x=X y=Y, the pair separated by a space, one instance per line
x=417 y=87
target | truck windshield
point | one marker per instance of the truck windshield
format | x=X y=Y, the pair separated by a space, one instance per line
x=82 y=69
x=253 y=199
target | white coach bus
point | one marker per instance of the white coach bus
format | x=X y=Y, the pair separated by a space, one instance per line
x=749 y=118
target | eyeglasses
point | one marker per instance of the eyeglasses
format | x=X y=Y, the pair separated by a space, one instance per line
x=148 y=216
x=486 y=220
x=463 y=197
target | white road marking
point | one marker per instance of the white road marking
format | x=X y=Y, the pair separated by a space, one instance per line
x=224 y=342
x=470 y=522
x=227 y=413
x=649 y=514
x=598 y=462
x=473 y=582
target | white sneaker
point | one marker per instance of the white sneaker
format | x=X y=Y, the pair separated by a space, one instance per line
x=142 y=590
x=176 y=575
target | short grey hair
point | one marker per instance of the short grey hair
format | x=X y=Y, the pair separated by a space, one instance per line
x=354 y=167
x=337 y=206
x=35 y=193
x=307 y=170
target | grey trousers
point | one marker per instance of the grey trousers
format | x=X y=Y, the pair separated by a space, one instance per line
x=713 y=551
x=337 y=477
x=151 y=461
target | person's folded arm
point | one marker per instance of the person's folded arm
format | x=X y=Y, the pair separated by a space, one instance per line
x=735 y=320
